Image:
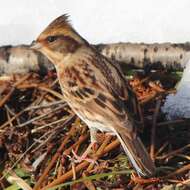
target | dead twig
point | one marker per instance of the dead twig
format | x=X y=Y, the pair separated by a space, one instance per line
x=153 y=132
x=100 y=151
x=55 y=157
x=79 y=167
x=156 y=87
x=39 y=117
x=22 y=156
x=89 y=184
x=174 y=122
x=5 y=99
x=173 y=153
x=177 y=172
x=144 y=181
x=42 y=87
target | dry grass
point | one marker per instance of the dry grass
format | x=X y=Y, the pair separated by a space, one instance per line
x=38 y=132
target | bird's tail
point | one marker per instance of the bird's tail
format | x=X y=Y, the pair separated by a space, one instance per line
x=137 y=154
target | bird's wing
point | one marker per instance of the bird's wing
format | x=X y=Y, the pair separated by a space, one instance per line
x=100 y=88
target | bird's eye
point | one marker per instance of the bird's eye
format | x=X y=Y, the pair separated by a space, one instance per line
x=51 y=38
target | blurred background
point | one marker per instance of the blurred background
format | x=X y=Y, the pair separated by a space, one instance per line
x=98 y=21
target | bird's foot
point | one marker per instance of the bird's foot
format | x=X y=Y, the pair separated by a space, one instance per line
x=84 y=156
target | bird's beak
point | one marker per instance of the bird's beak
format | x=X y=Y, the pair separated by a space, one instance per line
x=35 y=45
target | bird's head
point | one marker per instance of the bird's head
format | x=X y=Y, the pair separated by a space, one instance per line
x=58 y=40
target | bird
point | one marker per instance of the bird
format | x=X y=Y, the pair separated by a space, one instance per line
x=94 y=87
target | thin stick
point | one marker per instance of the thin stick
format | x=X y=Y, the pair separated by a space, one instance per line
x=42 y=87
x=22 y=156
x=145 y=99
x=177 y=172
x=39 y=117
x=174 y=152
x=161 y=149
x=53 y=160
x=81 y=139
x=143 y=181
x=46 y=105
x=21 y=112
x=100 y=151
x=48 y=125
x=88 y=183
x=4 y=100
x=180 y=121
x=183 y=183
x=153 y=132
x=80 y=167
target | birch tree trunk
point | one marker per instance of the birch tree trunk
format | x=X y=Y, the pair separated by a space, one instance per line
x=21 y=59
x=165 y=55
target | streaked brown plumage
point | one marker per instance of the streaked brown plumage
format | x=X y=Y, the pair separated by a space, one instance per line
x=94 y=87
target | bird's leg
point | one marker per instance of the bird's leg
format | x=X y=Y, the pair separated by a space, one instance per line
x=84 y=156
x=93 y=139
x=89 y=149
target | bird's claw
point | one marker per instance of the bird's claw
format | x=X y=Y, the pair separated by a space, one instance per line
x=84 y=157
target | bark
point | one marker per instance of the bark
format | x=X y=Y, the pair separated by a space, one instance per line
x=157 y=56
x=21 y=59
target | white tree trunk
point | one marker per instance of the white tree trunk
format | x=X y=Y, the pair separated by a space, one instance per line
x=21 y=59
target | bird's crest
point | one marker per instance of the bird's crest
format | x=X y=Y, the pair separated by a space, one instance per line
x=60 y=22
x=59 y=26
